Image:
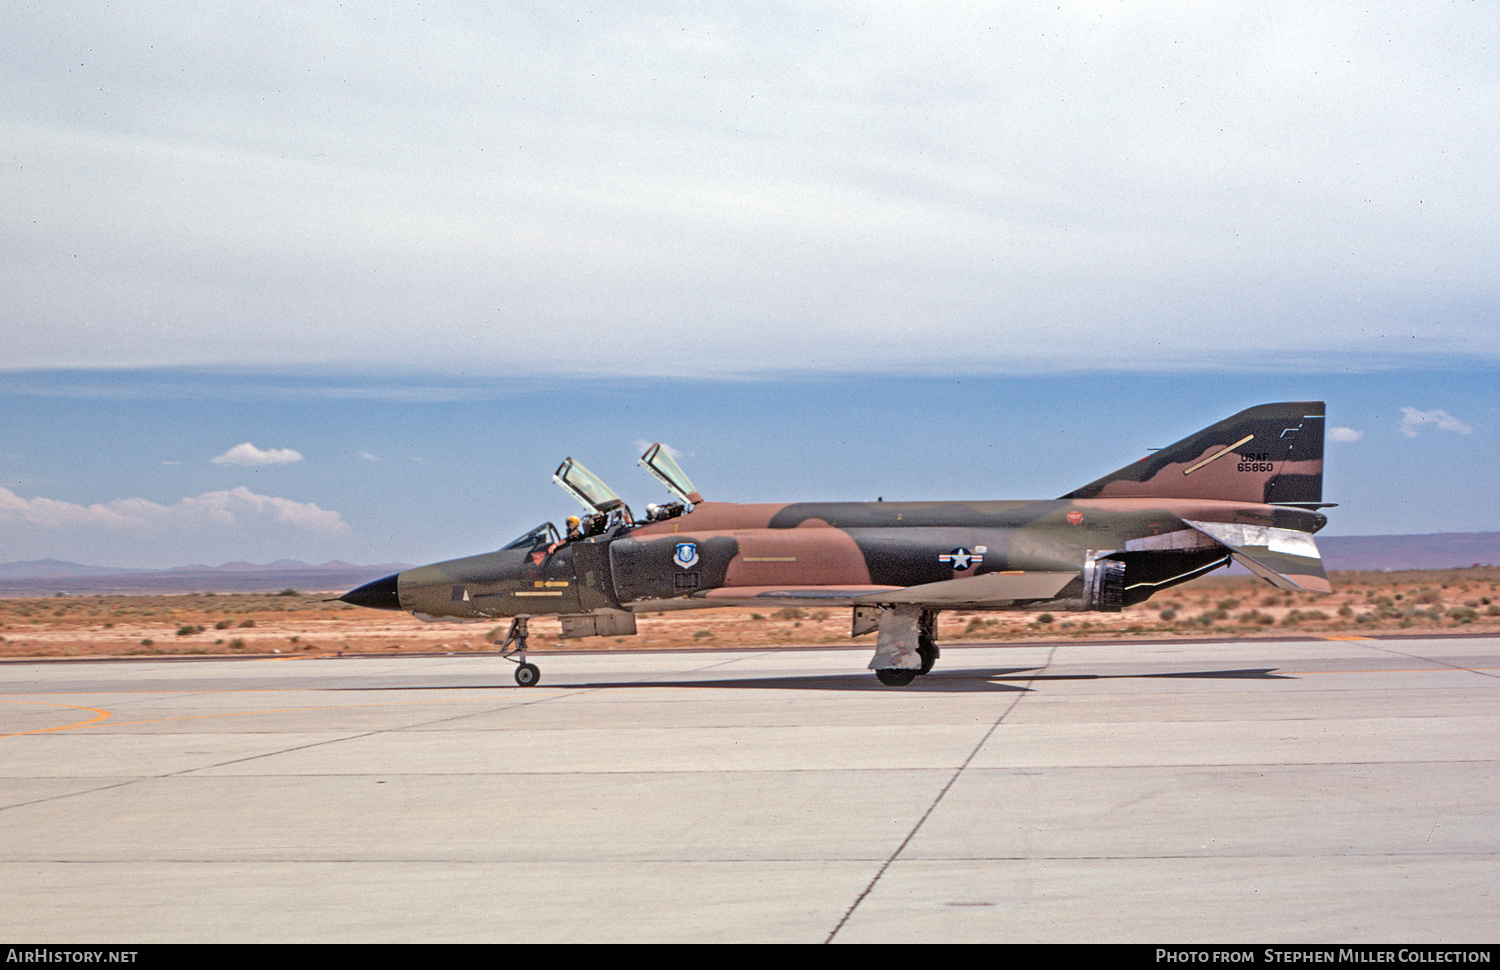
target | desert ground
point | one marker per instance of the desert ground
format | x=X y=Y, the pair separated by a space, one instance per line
x=294 y=623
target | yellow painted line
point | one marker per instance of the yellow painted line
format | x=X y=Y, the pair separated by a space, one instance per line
x=169 y=693
x=1348 y=638
x=293 y=710
x=103 y=714
x=62 y=727
x=1192 y=468
x=552 y=592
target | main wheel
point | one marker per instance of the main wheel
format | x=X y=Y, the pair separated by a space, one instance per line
x=896 y=676
x=928 y=651
x=527 y=675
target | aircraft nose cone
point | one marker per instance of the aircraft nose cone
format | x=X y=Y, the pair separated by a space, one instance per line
x=379 y=595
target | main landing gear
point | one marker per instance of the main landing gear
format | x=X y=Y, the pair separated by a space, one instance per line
x=927 y=649
x=898 y=629
x=527 y=674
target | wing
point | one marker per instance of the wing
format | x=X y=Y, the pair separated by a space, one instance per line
x=988 y=591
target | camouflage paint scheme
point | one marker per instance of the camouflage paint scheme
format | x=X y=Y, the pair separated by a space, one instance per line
x=1246 y=489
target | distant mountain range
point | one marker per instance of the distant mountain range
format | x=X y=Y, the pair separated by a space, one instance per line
x=46 y=577
x=1438 y=550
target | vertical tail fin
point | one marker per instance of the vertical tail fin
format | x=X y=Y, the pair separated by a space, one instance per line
x=1271 y=454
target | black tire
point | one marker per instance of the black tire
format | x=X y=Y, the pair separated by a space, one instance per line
x=896 y=676
x=928 y=651
x=527 y=675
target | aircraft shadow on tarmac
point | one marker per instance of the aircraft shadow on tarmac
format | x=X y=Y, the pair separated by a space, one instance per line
x=949 y=681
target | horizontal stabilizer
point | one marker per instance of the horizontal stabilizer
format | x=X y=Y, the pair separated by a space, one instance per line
x=1282 y=557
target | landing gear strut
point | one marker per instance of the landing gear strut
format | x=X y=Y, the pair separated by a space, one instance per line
x=927 y=647
x=527 y=674
x=928 y=651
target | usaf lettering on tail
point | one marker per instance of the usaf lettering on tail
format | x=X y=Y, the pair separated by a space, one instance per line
x=1245 y=490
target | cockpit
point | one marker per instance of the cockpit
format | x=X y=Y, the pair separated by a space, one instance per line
x=605 y=512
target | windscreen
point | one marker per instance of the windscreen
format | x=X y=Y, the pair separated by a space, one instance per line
x=544 y=534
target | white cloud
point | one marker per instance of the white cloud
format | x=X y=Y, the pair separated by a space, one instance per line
x=233 y=508
x=368 y=457
x=248 y=454
x=213 y=527
x=1439 y=419
x=1344 y=434
x=642 y=444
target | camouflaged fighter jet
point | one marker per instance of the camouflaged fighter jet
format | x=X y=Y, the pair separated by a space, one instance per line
x=1245 y=490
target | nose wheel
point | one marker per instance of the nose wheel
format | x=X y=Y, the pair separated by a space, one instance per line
x=527 y=674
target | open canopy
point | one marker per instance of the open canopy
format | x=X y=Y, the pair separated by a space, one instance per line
x=586 y=487
x=665 y=468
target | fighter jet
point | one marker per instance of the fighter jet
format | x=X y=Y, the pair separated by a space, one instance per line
x=1245 y=490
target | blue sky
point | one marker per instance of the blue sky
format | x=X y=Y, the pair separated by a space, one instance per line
x=413 y=468
x=413 y=255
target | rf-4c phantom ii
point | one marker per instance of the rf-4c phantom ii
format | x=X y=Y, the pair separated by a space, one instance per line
x=1247 y=490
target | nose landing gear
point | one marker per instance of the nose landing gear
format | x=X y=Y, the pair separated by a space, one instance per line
x=527 y=674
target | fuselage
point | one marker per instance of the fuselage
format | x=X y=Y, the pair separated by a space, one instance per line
x=844 y=553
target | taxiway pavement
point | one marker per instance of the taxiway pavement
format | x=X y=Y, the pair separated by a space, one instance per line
x=1277 y=791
